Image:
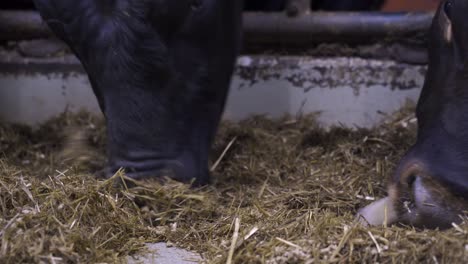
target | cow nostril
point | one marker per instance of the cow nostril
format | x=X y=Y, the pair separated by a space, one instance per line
x=410 y=172
x=410 y=180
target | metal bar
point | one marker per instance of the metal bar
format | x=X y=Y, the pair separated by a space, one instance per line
x=21 y=25
x=268 y=28
x=345 y=27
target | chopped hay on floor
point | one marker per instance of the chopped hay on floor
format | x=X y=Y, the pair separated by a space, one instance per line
x=283 y=191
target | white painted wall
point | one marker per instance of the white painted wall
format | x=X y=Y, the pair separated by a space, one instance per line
x=349 y=91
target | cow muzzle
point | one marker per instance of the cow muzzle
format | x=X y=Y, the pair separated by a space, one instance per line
x=415 y=198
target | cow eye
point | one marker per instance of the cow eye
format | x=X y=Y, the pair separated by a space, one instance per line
x=448 y=8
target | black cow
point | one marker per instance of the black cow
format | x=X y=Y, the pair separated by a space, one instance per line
x=160 y=71
x=430 y=185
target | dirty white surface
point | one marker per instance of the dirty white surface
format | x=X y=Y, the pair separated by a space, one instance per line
x=161 y=254
x=380 y=212
x=347 y=91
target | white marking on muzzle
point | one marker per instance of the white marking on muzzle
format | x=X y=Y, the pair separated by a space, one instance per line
x=381 y=212
x=448 y=33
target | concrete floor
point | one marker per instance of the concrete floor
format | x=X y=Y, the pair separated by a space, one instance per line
x=161 y=254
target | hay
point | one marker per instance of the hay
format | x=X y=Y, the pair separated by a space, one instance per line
x=284 y=191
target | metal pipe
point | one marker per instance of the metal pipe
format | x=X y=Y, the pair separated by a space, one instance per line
x=21 y=25
x=271 y=28
x=345 y=27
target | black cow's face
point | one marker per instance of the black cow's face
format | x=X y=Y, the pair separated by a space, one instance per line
x=430 y=185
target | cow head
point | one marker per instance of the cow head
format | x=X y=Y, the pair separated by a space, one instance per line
x=430 y=185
